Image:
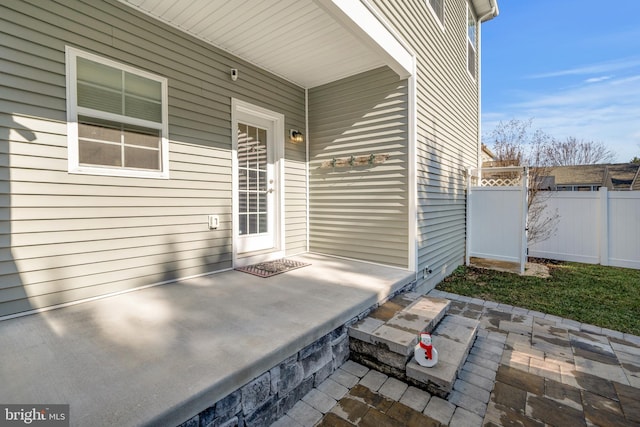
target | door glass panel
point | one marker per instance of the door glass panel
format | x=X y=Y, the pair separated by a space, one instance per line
x=242 y=202
x=262 y=181
x=242 y=180
x=253 y=223
x=252 y=177
x=261 y=152
x=243 y=139
x=253 y=180
x=262 y=223
x=243 y=224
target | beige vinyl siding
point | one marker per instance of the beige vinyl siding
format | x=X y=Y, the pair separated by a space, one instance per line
x=447 y=126
x=360 y=212
x=65 y=237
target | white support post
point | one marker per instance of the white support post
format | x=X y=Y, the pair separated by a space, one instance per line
x=604 y=226
x=524 y=214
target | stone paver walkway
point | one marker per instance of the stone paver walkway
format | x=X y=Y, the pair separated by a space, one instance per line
x=525 y=368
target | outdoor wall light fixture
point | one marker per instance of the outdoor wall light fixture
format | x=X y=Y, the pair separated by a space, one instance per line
x=234 y=74
x=296 y=136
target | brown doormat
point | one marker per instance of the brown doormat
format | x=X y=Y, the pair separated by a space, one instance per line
x=271 y=268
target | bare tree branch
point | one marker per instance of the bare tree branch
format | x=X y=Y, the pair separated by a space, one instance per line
x=515 y=145
x=573 y=151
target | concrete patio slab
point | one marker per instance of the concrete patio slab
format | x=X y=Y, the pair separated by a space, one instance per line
x=159 y=355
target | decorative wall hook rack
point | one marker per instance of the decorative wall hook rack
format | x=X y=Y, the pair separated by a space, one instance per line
x=342 y=162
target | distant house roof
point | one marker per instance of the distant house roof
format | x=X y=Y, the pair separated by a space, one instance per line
x=618 y=176
x=622 y=175
x=487 y=155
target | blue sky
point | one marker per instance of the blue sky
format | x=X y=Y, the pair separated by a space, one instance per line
x=573 y=66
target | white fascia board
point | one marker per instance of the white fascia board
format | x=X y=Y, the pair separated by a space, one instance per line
x=367 y=27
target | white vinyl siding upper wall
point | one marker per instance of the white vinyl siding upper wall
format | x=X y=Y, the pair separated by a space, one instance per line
x=65 y=237
x=360 y=212
x=447 y=127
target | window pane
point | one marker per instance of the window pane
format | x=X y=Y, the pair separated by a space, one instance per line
x=141 y=158
x=102 y=143
x=143 y=98
x=471 y=59
x=142 y=137
x=99 y=74
x=99 y=86
x=98 y=153
x=142 y=109
x=142 y=87
x=471 y=27
x=98 y=98
x=99 y=131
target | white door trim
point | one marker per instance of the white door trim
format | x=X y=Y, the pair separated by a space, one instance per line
x=239 y=106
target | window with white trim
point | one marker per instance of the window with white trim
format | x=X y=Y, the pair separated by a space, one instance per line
x=437 y=7
x=117 y=118
x=472 y=27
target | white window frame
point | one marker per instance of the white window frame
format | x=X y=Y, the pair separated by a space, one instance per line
x=73 y=110
x=472 y=43
x=435 y=14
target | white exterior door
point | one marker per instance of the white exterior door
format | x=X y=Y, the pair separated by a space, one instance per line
x=257 y=182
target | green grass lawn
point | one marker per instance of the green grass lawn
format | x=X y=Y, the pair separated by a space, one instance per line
x=604 y=296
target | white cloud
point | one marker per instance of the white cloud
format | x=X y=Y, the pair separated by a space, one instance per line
x=597 y=79
x=598 y=68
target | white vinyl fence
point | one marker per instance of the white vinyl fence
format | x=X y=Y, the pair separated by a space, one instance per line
x=600 y=227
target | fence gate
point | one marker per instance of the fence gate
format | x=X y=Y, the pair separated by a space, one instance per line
x=497 y=214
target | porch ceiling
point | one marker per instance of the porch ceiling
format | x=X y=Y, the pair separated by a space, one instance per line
x=308 y=42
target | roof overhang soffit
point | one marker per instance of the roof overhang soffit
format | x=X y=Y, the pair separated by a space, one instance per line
x=308 y=42
x=360 y=21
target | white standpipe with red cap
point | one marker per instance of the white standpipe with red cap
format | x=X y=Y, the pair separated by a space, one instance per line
x=425 y=353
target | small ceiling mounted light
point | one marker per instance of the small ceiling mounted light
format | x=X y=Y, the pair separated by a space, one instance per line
x=296 y=136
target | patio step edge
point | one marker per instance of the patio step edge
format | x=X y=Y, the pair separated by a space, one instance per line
x=386 y=340
x=453 y=338
x=395 y=325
